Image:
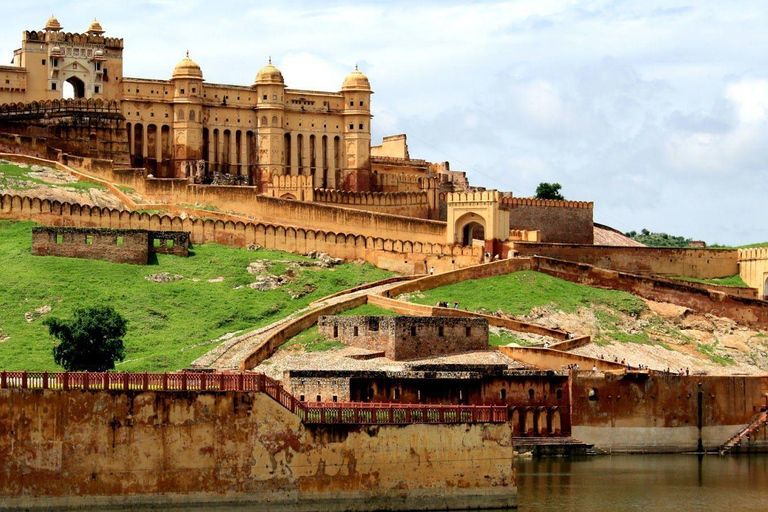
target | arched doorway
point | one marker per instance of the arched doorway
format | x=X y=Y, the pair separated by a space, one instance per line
x=765 y=289
x=468 y=228
x=73 y=88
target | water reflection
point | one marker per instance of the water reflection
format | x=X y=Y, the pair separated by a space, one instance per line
x=676 y=483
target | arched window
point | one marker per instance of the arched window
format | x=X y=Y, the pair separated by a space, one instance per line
x=274 y=121
x=263 y=120
x=180 y=115
x=191 y=115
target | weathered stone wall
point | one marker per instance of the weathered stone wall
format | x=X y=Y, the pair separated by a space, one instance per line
x=661 y=412
x=557 y=221
x=409 y=204
x=119 y=246
x=697 y=263
x=125 y=449
x=753 y=268
x=403 y=256
x=408 y=337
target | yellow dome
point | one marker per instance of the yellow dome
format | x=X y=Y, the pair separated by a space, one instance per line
x=269 y=74
x=187 y=68
x=356 y=81
x=53 y=24
x=95 y=28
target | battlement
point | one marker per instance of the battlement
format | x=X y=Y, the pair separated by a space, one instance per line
x=296 y=187
x=393 y=160
x=35 y=36
x=59 y=107
x=343 y=197
x=753 y=253
x=549 y=203
x=486 y=196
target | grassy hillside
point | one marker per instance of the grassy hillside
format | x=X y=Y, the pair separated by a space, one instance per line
x=169 y=324
x=518 y=293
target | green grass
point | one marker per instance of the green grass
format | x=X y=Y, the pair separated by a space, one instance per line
x=709 y=351
x=518 y=293
x=311 y=341
x=369 y=310
x=166 y=322
x=17 y=178
x=725 y=281
x=505 y=338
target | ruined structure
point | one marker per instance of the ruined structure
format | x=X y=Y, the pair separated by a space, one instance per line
x=116 y=245
x=407 y=337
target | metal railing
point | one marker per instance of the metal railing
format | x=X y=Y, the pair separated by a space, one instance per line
x=313 y=413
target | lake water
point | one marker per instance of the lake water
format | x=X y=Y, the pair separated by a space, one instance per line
x=680 y=483
x=618 y=483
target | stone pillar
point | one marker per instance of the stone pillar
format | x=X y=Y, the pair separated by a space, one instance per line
x=306 y=161
x=244 y=163
x=329 y=163
x=294 y=154
x=232 y=151
x=211 y=152
x=132 y=143
x=144 y=144
x=159 y=150
x=219 y=145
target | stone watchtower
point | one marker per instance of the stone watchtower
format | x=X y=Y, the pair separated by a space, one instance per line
x=477 y=218
x=270 y=86
x=187 y=83
x=356 y=170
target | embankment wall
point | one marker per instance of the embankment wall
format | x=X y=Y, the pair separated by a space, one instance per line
x=123 y=449
x=661 y=413
x=696 y=263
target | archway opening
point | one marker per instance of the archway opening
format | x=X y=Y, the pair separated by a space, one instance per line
x=765 y=289
x=473 y=231
x=73 y=88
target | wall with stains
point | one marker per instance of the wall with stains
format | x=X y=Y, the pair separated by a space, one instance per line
x=104 y=448
x=661 y=413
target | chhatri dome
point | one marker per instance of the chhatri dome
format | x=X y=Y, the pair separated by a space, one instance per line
x=356 y=81
x=95 y=28
x=269 y=74
x=53 y=24
x=187 y=68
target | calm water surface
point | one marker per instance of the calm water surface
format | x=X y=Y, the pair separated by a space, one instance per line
x=679 y=483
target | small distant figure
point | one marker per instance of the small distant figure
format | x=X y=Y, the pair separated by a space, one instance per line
x=594 y=367
x=687 y=371
x=455 y=305
x=546 y=344
x=431 y=271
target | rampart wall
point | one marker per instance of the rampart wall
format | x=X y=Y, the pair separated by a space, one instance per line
x=661 y=413
x=557 y=221
x=753 y=268
x=127 y=449
x=746 y=311
x=697 y=263
x=408 y=204
x=384 y=253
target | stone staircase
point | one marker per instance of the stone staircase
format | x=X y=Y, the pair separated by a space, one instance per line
x=553 y=446
x=759 y=421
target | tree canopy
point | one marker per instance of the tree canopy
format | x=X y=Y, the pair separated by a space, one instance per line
x=92 y=340
x=549 y=191
x=658 y=239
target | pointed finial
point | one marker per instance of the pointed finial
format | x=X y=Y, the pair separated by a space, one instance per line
x=356 y=67
x=187 y=53
x=270 y=59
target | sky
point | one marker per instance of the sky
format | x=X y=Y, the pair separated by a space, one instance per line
x=655 y=110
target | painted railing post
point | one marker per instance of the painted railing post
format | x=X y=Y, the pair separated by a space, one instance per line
x=240 y=382
x=202 y=381
x=65 y=381
x=165 y=382
x=184 y=381
x=125 y=382
x=221 y=381
x=106 y=380
x=24 y=380
x=86 y=379
x=45 y=380
x=145 y=381
x=3 y=379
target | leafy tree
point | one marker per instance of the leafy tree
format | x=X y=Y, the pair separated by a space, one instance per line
x=650 y=239
x=549 y=191
x=92 y=340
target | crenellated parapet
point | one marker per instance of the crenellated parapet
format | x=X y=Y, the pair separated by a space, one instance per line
x=59 y=107
x=486 y=196
x=548 y=203
x=343 y=197
x=753 y=253
x=34 y=36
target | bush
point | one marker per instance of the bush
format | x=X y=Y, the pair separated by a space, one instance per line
x=92 y=340
x=549 y=191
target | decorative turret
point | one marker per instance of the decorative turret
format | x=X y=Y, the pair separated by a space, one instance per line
x=53 y=25
x=187 y=79
x=270 y=90
x=95 y=28
x=357 y=132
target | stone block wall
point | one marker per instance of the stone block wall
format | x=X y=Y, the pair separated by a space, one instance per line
x=556 y=221
x=408 y=337
x=127 y=450
x=118 y=246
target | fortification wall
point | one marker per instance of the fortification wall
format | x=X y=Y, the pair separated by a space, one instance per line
x=661 y=413
x=385 y=253
x=557 y=221
x=753 y=269
x=126 y=449
x=751 y=312
x=697 y=263
x=408 y=204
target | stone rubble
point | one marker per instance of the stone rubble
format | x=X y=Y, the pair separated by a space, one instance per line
x=163 y=277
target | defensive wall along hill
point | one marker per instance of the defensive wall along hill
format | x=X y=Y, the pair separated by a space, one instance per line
x=110 y=440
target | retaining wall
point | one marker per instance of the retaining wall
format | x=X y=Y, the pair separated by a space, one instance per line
x=123 y=449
